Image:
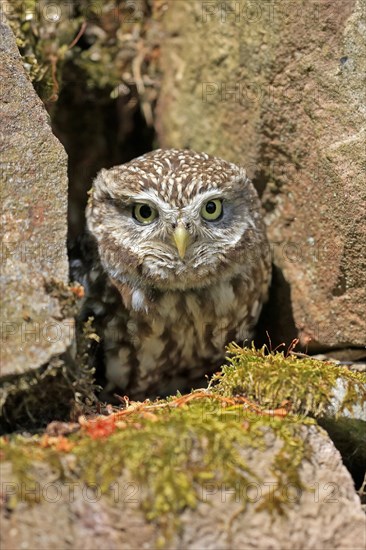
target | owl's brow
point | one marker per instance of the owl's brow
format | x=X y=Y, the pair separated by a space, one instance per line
x=117 y=202
x=154 y=199
x=205 y=196
x=125 y=200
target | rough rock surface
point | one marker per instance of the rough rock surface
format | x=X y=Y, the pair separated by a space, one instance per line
x=33 y=173
x=325 y=514
x=280 y=88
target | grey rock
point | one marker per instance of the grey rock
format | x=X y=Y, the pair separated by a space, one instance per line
x=325 y=514
x=33 y=175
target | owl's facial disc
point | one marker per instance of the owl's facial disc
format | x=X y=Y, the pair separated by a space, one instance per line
x=173 y=245
x=135 y=211
x=180 y=243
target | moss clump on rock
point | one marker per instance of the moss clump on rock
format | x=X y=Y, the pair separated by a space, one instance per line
x=301 y=385
x=173 y=448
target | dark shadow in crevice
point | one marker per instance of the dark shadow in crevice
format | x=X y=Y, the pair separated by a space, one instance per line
x=276 y=325
x=97 y=131
x=347 y=437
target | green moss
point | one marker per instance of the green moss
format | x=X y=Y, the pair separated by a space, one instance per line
x=174 y=453
x=21 y=454
x=303 y=385
x=105 y=42
x=173 y=449
x=43 y=33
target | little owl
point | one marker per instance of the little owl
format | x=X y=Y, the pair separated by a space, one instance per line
x=180 y=267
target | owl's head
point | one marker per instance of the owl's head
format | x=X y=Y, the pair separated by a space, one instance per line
x=175 y=219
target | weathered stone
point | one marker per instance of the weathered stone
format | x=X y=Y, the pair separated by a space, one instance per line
x=280 y=88
x=326 y=513
x=33 y=222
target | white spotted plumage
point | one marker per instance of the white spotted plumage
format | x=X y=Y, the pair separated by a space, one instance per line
x=167 y=316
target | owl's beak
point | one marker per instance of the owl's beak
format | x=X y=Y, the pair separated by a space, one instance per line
x=181 y=238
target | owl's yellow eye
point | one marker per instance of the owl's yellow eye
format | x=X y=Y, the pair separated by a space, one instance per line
x=144 y=213
x=212 y=210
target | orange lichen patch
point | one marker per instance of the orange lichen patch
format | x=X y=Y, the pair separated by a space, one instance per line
x=64 y=445
x=102 y=426
x=78 y=291
x=281 y=411
x=59 y=443
x=99 y=427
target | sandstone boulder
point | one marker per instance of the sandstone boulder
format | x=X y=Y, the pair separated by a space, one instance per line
x=280 y=89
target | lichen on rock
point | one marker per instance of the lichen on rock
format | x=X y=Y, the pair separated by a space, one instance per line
x=179 y=450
